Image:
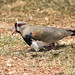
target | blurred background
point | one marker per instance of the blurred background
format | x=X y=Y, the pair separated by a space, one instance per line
x=55 y=13
x=42 y=12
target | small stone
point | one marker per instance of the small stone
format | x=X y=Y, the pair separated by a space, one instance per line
x=27 y=74
x=10 y=62
x=11 y=72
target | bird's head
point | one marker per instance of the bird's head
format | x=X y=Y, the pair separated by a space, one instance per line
x=18 y=26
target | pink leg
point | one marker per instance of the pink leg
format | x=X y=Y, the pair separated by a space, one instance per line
x=52 y=45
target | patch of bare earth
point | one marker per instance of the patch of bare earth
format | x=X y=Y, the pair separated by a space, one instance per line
x=26 y=66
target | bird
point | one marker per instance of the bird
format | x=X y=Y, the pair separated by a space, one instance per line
x=39 y=36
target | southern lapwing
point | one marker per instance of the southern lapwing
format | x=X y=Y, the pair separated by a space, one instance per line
x=39 y=36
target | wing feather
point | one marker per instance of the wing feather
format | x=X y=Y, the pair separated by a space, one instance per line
x=48 y=34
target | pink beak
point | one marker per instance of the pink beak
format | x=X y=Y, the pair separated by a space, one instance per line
x=12 y=29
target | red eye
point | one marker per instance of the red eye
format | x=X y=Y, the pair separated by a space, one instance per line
x=19 y=25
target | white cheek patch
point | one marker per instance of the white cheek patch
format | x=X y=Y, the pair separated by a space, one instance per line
x=35 y=45
x=18 y=29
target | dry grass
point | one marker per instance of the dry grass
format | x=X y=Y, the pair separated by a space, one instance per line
x=15 y=56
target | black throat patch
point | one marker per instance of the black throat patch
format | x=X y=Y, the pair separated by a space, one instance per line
x=28 y=39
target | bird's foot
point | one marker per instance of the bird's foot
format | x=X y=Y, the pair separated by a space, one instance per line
x=33 y=50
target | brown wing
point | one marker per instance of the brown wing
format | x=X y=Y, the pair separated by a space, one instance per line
x=40 y=34
x=49 y=34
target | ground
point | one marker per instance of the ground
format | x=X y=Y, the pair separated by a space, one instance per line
x=15 y=55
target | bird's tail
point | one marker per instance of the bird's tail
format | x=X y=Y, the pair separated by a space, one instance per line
x=73 y=32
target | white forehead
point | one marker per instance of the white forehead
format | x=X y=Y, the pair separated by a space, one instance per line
x=21 y=22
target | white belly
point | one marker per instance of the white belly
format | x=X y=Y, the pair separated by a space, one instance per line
x=35 y=45
x=38 y=45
